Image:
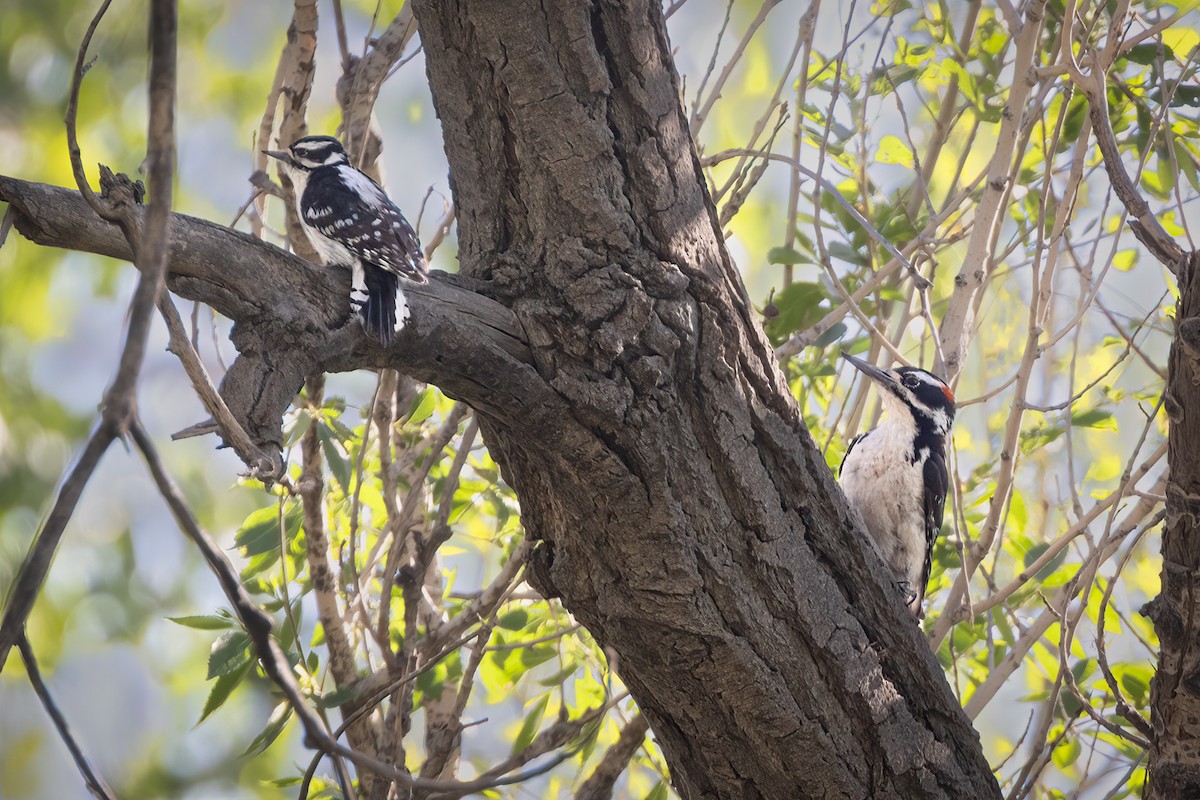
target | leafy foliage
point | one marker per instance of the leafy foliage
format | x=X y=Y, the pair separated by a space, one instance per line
x=899 y=108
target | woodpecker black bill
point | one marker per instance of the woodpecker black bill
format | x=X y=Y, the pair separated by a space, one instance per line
x=351 y=222
x=895 y=475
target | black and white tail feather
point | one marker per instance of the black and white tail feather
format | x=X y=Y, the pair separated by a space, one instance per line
x=352 y=222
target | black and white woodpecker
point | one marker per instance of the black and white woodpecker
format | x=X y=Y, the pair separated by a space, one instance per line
x=895 y=475
x=352 y=222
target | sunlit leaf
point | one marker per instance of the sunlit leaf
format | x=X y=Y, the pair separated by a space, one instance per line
x=204 y=623
x=529 y=727
x=1095 y=418
x=893 y=151
x=221 y=689
x=275 y=726
x=423 y=406
x=229 y=653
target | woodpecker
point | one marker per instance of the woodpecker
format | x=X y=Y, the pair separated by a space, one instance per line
x=352 y=222
x=895 y=475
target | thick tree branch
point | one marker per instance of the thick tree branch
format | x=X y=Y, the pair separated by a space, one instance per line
x=292 y=319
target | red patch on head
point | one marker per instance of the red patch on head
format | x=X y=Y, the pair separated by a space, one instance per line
x=949 y=394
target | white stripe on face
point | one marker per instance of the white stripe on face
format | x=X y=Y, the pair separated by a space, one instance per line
x=929 y=379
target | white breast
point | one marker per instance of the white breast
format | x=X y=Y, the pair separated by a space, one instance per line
x=888 y=492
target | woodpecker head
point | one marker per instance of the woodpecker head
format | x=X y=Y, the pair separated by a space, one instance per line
x=311 y=152
x=913 y=393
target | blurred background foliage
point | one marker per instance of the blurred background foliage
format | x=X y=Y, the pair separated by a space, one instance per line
x=130 y=628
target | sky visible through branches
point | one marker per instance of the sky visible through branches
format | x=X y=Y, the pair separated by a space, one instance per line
x=861 y=160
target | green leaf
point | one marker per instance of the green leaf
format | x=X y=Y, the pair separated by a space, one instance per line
x=259 y=532
x=1071 y=705
x=1186 y=96
x=1095 y=418
x=893 y=151
x=1073 y=122
x=339 y=461
x=784 y=255
x=222 y=688
x=1125 y=260
x=275 y=726
x=1067 y=752
x=423 y=406
x=1038 y=438
x=847 y=253
x=799 y=307
x=1135 y=680
x=533 y=719
x=537 y=654
x=229 y=653
x=562 y=675
x=204 y=622
x=335 y=698
x=659 y=792
x=514 y=620
x=835 y=332
x=1147 y=54
x=283 y=783
x=1035 y=552
x=295 y=427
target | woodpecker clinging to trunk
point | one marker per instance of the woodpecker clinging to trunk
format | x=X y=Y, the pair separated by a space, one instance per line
x=895 y=475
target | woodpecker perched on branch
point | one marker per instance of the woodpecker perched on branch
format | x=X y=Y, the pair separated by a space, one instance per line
x=895 y=475
x=351 y=222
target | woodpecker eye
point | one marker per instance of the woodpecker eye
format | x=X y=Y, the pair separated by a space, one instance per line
x=911 y=382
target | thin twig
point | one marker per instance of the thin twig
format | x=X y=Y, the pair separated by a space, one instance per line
x=95 y=783
x=149 y=246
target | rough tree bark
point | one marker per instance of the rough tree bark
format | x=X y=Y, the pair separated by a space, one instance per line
x=1174 y=758
x=623 y=383
x=682 y=511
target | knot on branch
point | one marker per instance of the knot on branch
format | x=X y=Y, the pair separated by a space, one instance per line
x=1182 y=506
x=119 y=190
x=1189 y=333
x=538 y=564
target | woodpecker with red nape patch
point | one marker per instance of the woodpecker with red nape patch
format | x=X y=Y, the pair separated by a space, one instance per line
x=352 y=222
x=895 y=475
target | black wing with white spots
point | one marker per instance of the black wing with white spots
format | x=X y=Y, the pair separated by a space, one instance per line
x=349 y=208
x=937 y=483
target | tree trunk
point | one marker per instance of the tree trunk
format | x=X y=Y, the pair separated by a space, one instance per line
x=682 y=511
x=1174 y=763
x=623 y=383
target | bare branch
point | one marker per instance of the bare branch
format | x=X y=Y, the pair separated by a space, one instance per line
x=36 y=565
x=701 y=113
x=81 y=67
x=95 y=783
x=958 y=322
x=293 y=82
x=1146 y=226
x=149 y=249
x=358 y=88
x=599 y=784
